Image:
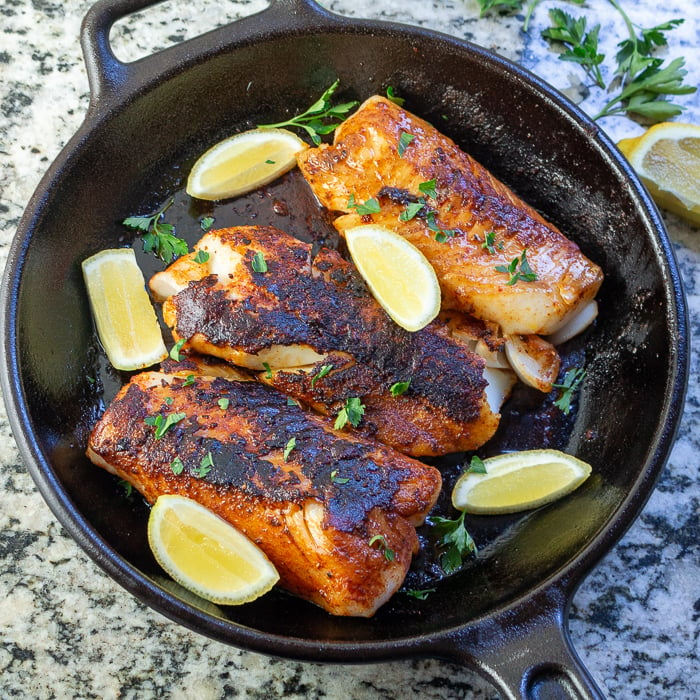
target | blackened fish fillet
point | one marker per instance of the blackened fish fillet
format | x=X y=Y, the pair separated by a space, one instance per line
x=336 y=516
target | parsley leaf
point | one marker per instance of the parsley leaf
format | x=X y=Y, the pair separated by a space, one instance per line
x=389 y=553
x=580 y=46
x=259 y=264
x=204 y=467
x=340 y=480
x=419 y=594
x=411 y=210
x=319 y=119
x=291 y=444
x=324 y=371
x=206 y=223
x=399 y=388
x=351 y=412
x=404 y=141
x=428 y=188
x=518 y=269
x=499 y=5
x=456 y=541
x=175 y=350
x=391 y=95
x=268 y=370
x=490 y=243
x=158 y=237
x=371 y=206
x=223 y=403
x=163 y=424
x=177 y=466
x=476 y=466
x=201 y=257
x=570 y=383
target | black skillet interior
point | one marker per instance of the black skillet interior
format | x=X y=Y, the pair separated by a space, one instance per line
x=133 y=153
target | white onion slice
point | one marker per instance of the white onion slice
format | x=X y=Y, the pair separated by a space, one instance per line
x=534 y=360
x=499 y=385
x=576 y=324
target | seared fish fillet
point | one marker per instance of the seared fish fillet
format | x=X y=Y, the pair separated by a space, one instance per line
x=327 y=516
x=311 y=329
x=468 y=208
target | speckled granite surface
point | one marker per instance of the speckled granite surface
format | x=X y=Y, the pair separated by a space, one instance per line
x=66 y=630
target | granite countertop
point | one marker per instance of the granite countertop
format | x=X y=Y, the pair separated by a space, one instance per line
x=67 y=630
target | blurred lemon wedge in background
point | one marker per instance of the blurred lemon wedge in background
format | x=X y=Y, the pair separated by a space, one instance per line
x=518 y=481
x=667 y=158
x=399 y=276
x=124 y=316
x=206 y=554
x=243 y=162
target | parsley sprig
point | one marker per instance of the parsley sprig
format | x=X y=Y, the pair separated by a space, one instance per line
x=641 y=80
x=518 y=269
x=351 y=412
x=158 y=237
x=319 y=119
x=571 y=382
x=454 y=539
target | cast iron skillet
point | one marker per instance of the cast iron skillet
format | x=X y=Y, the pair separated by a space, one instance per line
x=506 y=613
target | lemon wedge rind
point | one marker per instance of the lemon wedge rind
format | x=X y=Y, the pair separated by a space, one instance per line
x=207 y=555
x=243 y=162
x=397 y=274
x=125 y=319
x=519 y=481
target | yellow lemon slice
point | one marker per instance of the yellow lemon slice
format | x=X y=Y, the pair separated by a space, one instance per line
x=667 y=158
x=243 y=162
x=206 y=554
x=399 y=276
x=519 y=481
x=124 y=316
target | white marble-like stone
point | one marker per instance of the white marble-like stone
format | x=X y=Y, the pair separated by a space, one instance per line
x=67 y=630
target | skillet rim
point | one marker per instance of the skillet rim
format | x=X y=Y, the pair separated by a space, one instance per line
x=565 y=579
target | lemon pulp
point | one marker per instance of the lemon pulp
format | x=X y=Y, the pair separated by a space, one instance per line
x=206 y=554
x=519 y=481
x=667 y=158
x=124 y=316
x=398 y=275
x=243 y=162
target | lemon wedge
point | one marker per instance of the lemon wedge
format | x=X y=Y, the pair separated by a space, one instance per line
x=243 y=162
x=398 y=275
x=518 y=481
x=667 y=158
x=206 y=554
x=124 y=316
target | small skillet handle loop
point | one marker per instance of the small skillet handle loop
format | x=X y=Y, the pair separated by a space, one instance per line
x=527 y=656
x=106 y=73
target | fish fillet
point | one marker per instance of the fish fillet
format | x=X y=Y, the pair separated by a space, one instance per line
x=384 y=153
x=336 y=516
x=310 y=328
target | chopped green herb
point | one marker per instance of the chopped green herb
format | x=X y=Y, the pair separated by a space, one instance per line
x=189 y=380
x=352 y=412
x=476 y=466
x=323 y=372
x=428 y=188
x=270 y=162
x=268 y=370
x=291 y=401
x=490 y=243
x=319 y=119
x=570 y=383
x=223 y=403
x=201 y=257
x=177 y=466
x=340 y=480
x=169 y=400
x=389 y=554
x=259 y=264
x=291 y=444
x=371 y=206
x=411 y=210
x=206 y=223
x=158 y=237
x=399 y=388
x=204 y=467
x=163 y=424
x=456 y=541
x=404 y=141
x=519 y=269
x=499 y=5
x=175 y=350
x=441 y=234
x=419 y=594
x=127 y=486
x=391 y=95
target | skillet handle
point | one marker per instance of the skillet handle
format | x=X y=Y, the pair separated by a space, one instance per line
x=527 y=656
x=107 y=75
